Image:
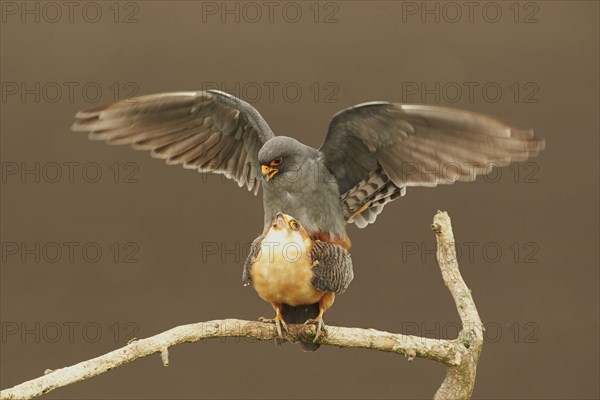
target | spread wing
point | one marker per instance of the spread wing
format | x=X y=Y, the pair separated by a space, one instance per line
x=252 y=255
x=376 y=150
x=333 y=271
x=210 y=131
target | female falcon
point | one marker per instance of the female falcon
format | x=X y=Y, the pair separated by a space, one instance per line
x=298 y=276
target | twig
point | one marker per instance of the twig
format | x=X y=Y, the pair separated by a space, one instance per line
x=459 y=355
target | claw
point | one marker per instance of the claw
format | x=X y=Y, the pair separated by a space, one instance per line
x=320 y=325
x=280 y=324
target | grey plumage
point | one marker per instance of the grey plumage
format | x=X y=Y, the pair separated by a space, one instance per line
x=304 y=187
x=395 y=136
x=371 y=154
x=208 y=131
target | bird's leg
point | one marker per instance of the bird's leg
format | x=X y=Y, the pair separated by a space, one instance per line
x=278 y=320
x=324 y=304
x=319 y=322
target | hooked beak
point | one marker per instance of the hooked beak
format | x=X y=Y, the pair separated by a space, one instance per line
x=280 y=221
x=268 y=172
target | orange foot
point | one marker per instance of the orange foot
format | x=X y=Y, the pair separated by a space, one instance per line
x=278 y=320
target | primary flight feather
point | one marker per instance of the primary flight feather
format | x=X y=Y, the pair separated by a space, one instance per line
x=371 y=154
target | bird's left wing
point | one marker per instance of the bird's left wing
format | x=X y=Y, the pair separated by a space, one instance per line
x=332 y=271
x=376 y=150
x=210 y=131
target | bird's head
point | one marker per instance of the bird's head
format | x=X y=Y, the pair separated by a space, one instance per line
x=286 y=241
x=288 y=230
x=282 y=155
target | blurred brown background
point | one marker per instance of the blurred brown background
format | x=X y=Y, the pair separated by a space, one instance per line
x=171 y=241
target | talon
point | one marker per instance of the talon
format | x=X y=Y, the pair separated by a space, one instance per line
x=283 y=327
x=280 y=324
x=320 y=325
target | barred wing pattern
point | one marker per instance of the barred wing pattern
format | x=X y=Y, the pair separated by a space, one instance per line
x=333 y=271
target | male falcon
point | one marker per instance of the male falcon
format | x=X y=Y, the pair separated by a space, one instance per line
x=298 y=276
x=371 y=154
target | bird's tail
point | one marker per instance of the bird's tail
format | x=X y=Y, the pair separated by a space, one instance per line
x=299 y=315
x=363 y=202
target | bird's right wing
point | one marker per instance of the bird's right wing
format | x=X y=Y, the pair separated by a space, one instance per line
x=333 y=267
x=210 y=131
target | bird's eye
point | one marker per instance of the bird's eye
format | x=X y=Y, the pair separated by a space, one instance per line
x=276 y=162
x=294 y=225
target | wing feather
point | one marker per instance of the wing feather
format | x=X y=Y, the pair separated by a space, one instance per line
x=333 y=267
x=414 y=145
x=209 y=131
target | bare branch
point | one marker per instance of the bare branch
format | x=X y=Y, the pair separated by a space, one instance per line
x=460 y=379
x=410 y=346
x=459 y=355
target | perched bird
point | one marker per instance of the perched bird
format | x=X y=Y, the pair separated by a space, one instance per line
x=297 y=275
x=371 y=154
